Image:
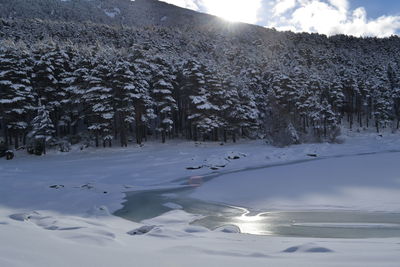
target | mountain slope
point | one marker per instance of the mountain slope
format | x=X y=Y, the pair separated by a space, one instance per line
x=113 y=12
x=206 y=78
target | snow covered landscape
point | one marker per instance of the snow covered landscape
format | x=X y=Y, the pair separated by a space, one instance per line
x=58 y=212
x=147 y=133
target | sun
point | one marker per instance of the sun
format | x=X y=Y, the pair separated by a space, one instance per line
x=234 y=10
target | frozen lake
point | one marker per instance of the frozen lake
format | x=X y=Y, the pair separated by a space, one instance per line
x=323 y=224
x=218 y=203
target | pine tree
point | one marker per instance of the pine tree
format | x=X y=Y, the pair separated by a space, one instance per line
x=351 y=92
x=76 y=83
x=202 y=90
x=63 y=60
x=336 y=96
x=218 y=98
x=98 y=99
x=51 y=67
x=162 y=90
x=42 y=127
x=382 y=101
x=241 y=111
x=16 y=96
x=194 y=94
x=283 y=100
x=143 y=102
x=124 y=97
x=255 y=81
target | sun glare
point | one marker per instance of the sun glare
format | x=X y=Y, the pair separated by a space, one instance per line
x=234 y=10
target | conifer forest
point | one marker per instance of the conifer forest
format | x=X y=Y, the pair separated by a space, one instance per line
x=110 y=84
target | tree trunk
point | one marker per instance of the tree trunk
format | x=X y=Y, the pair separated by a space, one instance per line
x=225 y=136
x=44 y=146
x=195 y=134
x=123 y=136
x=144 y=131
x=9 y=138
x=16 y=141
x=6 y=134
x=116 y=126
x=163 y=136
x=138 y=134
x=216 y=135
x=189 y=131
x=24 y=139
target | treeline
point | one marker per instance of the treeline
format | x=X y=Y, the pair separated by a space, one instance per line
x=52 y=92
x=49 y=91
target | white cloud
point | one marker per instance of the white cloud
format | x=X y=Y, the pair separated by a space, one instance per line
x=342 y=5
x=330 y=17
x=191 y=4
x=234 y=10
x=283 y=6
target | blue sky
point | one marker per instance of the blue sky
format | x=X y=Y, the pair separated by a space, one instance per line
x=353 y=17
x=376 y=8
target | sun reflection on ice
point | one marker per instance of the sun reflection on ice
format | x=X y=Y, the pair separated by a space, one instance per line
x=254 y=224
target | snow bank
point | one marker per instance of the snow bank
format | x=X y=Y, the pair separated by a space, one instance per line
x=56 y=210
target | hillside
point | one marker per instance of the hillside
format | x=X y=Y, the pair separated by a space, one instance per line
x=111 y=12
x=162 y=71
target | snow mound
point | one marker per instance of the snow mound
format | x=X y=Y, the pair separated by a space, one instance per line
x=235 y=155
x=215 y=162
x=22 y=217
x=142 y=230
x=229 y=229
x=71 y=228
x=195 y=229
x=174 y=217
x=307 y=248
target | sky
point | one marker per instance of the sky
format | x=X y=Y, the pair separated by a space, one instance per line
x=380 y=18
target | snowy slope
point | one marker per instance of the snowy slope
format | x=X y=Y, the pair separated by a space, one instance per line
x=113 y=12
x=65 y=202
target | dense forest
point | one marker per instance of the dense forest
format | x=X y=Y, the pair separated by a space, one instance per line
x=100 y=84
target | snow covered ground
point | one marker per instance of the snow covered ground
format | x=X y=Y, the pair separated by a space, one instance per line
x=362 y=182
x=56 y=210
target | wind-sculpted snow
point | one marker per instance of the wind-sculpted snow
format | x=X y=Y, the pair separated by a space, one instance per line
x=63 y=205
